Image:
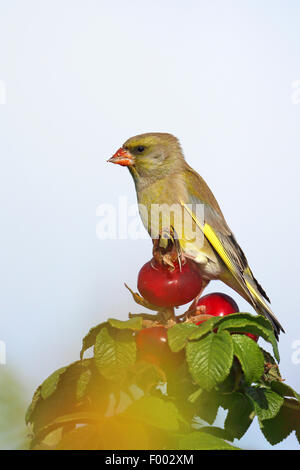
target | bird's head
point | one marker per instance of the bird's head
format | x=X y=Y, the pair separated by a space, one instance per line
x=149 y=154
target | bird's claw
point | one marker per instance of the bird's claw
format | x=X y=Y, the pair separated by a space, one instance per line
x=167 y=250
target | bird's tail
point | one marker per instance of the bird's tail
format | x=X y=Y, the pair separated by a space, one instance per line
x=261 y=305
x=252 y=293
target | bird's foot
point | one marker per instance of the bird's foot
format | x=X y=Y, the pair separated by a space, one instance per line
x=166 y=249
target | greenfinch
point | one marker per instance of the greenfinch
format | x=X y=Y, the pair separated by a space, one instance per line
x=163 y=179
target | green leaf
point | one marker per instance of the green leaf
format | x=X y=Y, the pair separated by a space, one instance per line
x=82 y=438
x=247 y=323
x=135 y=323
x=284 y=390
x=259 y=320
x=83 y=383
x=239 y=417
x=155 y=412
x=279 y=427
x=218 y=432
x=271 y=369
x=267 y=356
x=210 y=359
x=205 y=327
x=35 y=399
x=266 y=402
x=146 y=375
x=59 y=394
x=207 y=406
x=193 y=397
x=50 y=384
x=179 y=334
x=114 y=354
x=89 y=339
x=65 y=421
x=202 y=441
x=298 y=430
x=249 y=356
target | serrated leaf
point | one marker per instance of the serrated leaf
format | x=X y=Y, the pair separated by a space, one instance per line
x=35 y=399
x=284 y=390
x=210 y=359
x=83 y=383
x=259 y=320
x=239 y=417
x=89 y=339
x=207 y=406
x=49 y=385
x=63 y=399
x=266 y=402
x=202 y=441
x=178 y=335
x=114 y=355
x=135 y=323
x=155 y=412
x=247 y=323
x=279 y=427
x=217 y=432
x=267 y=356
x=205 y=327
x=249 y=356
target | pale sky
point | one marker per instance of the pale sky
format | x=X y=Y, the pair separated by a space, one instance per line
x=80 y=77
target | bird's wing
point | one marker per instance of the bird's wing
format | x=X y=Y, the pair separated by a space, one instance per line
x=218 y=234
x=221 y=239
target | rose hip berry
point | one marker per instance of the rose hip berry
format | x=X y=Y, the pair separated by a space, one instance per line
x=152 y=346
x=152 y=339
x=164 y=287
x=219 y=305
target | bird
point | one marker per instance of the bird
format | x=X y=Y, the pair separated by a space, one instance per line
x=163 y=178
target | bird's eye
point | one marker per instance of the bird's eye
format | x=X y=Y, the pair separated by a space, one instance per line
x=140 y=148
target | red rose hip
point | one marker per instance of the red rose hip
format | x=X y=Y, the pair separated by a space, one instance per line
x=218 y=304
x=152 y=346
x=152 y=339
x=164 y=287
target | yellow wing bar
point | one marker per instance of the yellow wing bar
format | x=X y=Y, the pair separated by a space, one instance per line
x=211 y=236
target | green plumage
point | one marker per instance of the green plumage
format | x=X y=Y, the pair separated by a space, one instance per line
x=162 y=176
